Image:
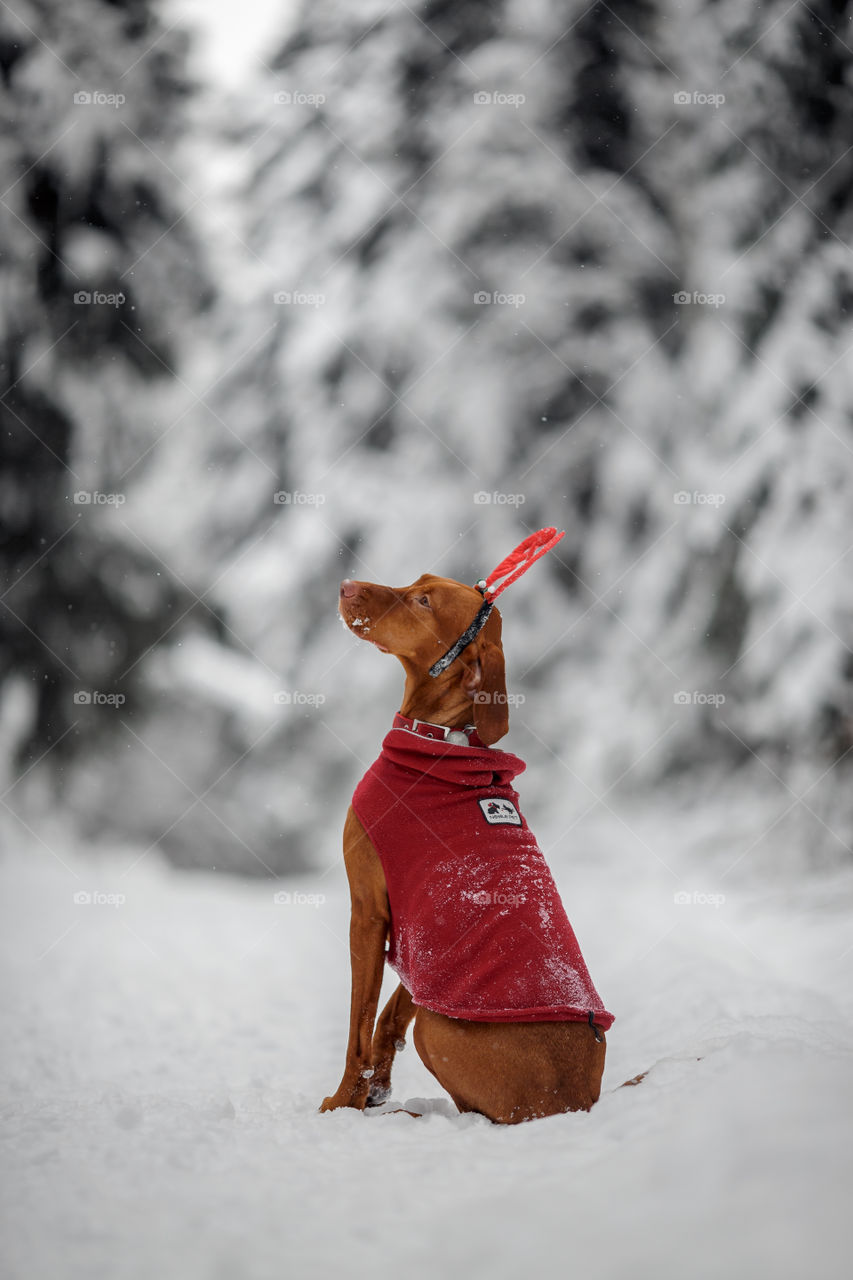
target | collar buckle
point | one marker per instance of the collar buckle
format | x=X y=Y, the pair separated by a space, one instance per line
x=466 y=737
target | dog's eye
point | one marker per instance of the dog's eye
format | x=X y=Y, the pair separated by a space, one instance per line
x=424 y=600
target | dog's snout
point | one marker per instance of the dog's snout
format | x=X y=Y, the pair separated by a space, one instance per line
x=349 y=589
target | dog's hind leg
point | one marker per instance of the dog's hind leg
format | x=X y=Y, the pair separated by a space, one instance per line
x=388 y=1040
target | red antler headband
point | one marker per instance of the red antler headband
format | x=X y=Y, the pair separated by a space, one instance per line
x=509 y=569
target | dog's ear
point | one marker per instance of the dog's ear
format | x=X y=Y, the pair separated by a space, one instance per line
x=485 y=682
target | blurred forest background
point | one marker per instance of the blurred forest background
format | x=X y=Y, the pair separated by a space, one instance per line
x=430 y=276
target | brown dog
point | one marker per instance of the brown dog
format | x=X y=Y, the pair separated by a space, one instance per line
x=508 y=1071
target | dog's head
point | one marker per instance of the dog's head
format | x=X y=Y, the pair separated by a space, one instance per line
x=418 y=624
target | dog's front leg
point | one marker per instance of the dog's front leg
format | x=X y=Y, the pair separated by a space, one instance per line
x=369 y=925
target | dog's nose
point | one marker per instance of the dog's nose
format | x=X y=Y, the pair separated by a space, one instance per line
x=348 y=588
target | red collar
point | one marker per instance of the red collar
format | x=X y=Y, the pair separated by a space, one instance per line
x=467 y=737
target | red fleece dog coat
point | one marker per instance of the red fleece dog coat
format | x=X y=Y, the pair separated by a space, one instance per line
x=478 y=930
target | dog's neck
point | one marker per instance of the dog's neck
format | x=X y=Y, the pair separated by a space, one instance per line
x=442 y=701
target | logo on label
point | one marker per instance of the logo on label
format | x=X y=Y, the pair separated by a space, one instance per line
x=500 y=811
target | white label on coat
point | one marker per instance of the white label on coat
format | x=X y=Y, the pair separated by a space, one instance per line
x=500 y=811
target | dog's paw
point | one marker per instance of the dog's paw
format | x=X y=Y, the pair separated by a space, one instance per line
x=337 y=1101
x=378 y=1094
x=354 y=1096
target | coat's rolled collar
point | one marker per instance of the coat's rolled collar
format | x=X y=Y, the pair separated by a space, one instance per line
x=462 y=764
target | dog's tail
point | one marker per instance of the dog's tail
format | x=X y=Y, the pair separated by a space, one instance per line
x=634 y=1079
x=638 y=1078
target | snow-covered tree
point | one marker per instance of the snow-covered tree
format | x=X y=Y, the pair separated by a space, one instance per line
x=98 y=275
x=584 y=170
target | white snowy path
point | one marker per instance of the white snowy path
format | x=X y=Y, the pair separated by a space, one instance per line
x=164 y=1058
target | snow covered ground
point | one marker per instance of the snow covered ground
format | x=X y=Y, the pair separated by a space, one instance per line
x=165 y=1054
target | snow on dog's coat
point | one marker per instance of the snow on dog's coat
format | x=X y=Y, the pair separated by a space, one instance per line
x=478 y=930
